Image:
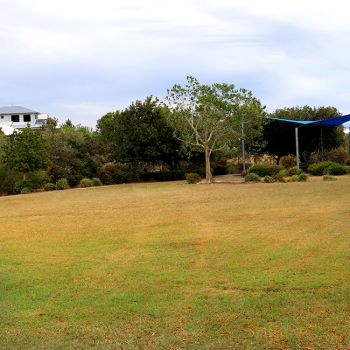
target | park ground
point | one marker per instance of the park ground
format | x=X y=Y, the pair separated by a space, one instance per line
x=177 y=266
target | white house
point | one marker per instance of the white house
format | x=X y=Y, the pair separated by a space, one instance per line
x=16 y=118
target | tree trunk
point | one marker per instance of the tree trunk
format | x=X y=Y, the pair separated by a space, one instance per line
x=208 y=176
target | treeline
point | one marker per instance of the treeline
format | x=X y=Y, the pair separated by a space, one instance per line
x=138 y=144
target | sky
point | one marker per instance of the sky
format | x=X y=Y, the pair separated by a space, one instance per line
x=80 y=59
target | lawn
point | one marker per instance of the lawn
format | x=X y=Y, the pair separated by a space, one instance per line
x=177 y=266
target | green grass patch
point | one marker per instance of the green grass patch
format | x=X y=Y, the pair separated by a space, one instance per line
x=172 y=266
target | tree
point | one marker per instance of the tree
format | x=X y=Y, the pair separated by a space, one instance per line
x=74 y=152
x=140 y=134
x=210 y=116
x=25 y=151
x=280 y=136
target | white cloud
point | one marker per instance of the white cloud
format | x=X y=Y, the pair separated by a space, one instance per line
x=80 y=58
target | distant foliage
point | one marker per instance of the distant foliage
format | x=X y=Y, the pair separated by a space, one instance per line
x=86 y=182
x=192 y=178
x=62 y=184
x=26 y=190
x=252 y=177
x=294 y=178
x=37 y=179
x=50 y=186
x=326 y=167
x=268 y=179
x=96 y=181
x=302 y=177
x=294 y=171
x=338 y=155
x=265 y=169
x=116 y=173
x=288 y=161
x=280 y=176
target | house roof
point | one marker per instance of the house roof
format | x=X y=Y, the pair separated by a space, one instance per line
x=16 y=110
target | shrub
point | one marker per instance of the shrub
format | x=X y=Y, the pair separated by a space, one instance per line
x=252 y=177
x=294 y=171
x=116 y=173
x=96 y=181
x=348 y=169
x=86 y=182
x=335 y=169
x=20 y=184
x=170 y=175
x=268 y=179
x=294 y=178
x=26 y=190
x=265 y=169
x=192 y=178
x=338 y=155
x=288 y=161
x=62 y=184
x=37 y=179
x=328 y=177
x=50 y=186
x=324 y=167
x=280 y=176
x=302 y=177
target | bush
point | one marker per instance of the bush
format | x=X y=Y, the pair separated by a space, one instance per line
x=338 y=155
x=170 y=175
x=328 y=177
x=26 y=190
x=280 y=176
x=62 y=184
x=288 y=161
x=8 y=180
x=50 y=186
x=294 y=178
x=96 y=181
x=294 y=171
x=86 y=182
x=302 y=177
x=335 y=169
x=192 y=178
x=37 y=179
x=348 y=169
x=329 y=167
x=252 y=177
x=116 y=173
x=20 y=184
x=265 y=169
x=268 y=179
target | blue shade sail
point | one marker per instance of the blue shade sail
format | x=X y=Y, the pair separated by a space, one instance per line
x=326 y=122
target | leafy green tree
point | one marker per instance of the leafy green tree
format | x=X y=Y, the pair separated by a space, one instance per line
x=280 y=136
x=25 y=151
x=74 y=152
x=140 y=134
x=210 y=117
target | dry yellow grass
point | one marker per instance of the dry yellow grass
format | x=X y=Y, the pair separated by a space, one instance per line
x=177 y=266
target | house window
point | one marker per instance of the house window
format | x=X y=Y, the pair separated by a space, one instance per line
x=26 y=118
x=15 y=118
x=2 y=117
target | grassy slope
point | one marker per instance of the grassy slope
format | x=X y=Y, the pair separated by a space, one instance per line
x=170 y=265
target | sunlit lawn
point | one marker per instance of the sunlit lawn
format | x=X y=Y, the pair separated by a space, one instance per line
x=177 y=266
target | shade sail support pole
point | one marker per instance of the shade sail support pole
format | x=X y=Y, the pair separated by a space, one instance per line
x=243 y=146
x=297 y=147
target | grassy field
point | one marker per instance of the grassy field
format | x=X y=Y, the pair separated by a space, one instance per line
x=177 y=266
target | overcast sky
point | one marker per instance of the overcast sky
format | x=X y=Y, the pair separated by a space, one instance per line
x=80 y=59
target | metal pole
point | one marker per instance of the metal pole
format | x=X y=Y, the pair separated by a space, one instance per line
x=297 y=147
x=243 y=146
x=321 y=143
